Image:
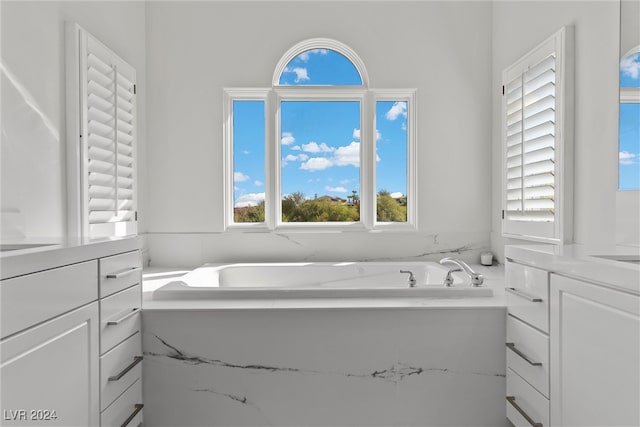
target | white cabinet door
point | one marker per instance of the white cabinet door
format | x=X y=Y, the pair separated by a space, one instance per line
x=49 y=373
x=595 y=355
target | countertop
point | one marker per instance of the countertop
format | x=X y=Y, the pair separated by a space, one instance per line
x=58 y=252
x=583 y=262
x=156 y=277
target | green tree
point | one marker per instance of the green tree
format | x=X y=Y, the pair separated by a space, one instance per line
x=388 y=209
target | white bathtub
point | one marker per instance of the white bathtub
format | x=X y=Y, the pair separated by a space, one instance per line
x=318 y=280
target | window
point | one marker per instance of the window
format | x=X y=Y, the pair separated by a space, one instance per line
x=102 y=158
x=629 y=143
x=537 y=127
x=320 y=148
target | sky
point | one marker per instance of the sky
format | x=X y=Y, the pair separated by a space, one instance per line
x=320 y=140
x=629 y=148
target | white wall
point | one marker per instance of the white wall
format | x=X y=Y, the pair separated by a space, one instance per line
x=518 y=26
x=33 y=195
x=195 y=49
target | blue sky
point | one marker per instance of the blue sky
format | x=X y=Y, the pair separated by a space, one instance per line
x=320 y=140
x=629 y=148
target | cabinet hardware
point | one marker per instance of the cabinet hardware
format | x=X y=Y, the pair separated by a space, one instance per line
x=512 y=400
x=524 y=295
x=123 y=318
x=139 y=407
x=136 y=360
x=511 y=346
x=123 y=273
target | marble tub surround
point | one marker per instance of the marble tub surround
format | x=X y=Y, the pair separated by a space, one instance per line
x=325 y=367
x=194 y=249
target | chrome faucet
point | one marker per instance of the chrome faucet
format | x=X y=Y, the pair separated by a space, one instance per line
x=412 y=278
x=476 y=279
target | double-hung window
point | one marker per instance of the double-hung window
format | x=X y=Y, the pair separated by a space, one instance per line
x=320 y=149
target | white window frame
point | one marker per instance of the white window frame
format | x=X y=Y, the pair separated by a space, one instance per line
x=560 y=230
x=272 y=97
x=78 y=156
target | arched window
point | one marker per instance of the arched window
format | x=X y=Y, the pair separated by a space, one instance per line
x=629 y=137
x=320 y=148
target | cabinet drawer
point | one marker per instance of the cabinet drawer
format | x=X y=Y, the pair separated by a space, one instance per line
x=524 y=401
x=119 y=272
x=528 y=294
x=34 y=298
x=119 y=317
x=126 y=410
x=528 y=354
x=119 y=368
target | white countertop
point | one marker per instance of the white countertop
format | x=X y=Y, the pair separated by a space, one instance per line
x=58 y=252
x=582 y=262
x=156 y=277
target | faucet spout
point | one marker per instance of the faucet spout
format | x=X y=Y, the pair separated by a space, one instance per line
x=476 y=279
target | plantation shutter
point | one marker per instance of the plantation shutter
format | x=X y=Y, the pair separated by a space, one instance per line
x=535 y=139
x=109 y=142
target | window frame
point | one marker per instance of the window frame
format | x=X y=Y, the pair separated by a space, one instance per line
x=273 y=97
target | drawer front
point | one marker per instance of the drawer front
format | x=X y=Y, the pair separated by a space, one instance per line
x=119 y=317
x=528 y=294
x=524 y=401
x=528 y=354
x=119 y=272
x=126 y=410
x=34 y=298
x=119 y=369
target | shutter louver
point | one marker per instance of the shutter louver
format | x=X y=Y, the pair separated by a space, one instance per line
x=109 y=142
x=530 y=136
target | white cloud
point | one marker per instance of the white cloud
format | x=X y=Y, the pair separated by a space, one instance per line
x=251 y=199
x=290 y=158
x=316 y=164
x=398 y=109
x=245 y=151
x=301 y=74
x=287 y=138
x=240 y=177
x=627 y=158
x=296 y=148
x=314 y=147
x=631 y=66
x=335 y=189
x=258 y=183
x=348 y=155
x=302 y=157
x=304 y=56
x=396 y=195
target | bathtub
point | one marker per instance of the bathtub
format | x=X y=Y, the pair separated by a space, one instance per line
x=318 y=280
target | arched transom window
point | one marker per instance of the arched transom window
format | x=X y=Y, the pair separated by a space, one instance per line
x=320 y=148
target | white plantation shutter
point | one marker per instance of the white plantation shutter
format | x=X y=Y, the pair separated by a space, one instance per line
x=536 y=137
x=107 y=141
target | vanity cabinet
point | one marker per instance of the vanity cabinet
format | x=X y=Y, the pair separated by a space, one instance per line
x=120 y=285
x=70 y=347
x=527 y=344
x=50 y=372
x=573 y=343
x=595 y=354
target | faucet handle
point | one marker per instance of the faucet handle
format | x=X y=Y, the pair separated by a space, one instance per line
x=448 y=280
x=412 y=278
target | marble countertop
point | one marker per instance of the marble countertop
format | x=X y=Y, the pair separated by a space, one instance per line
x=156 y=277
x=55 y=252
x=584 y=262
